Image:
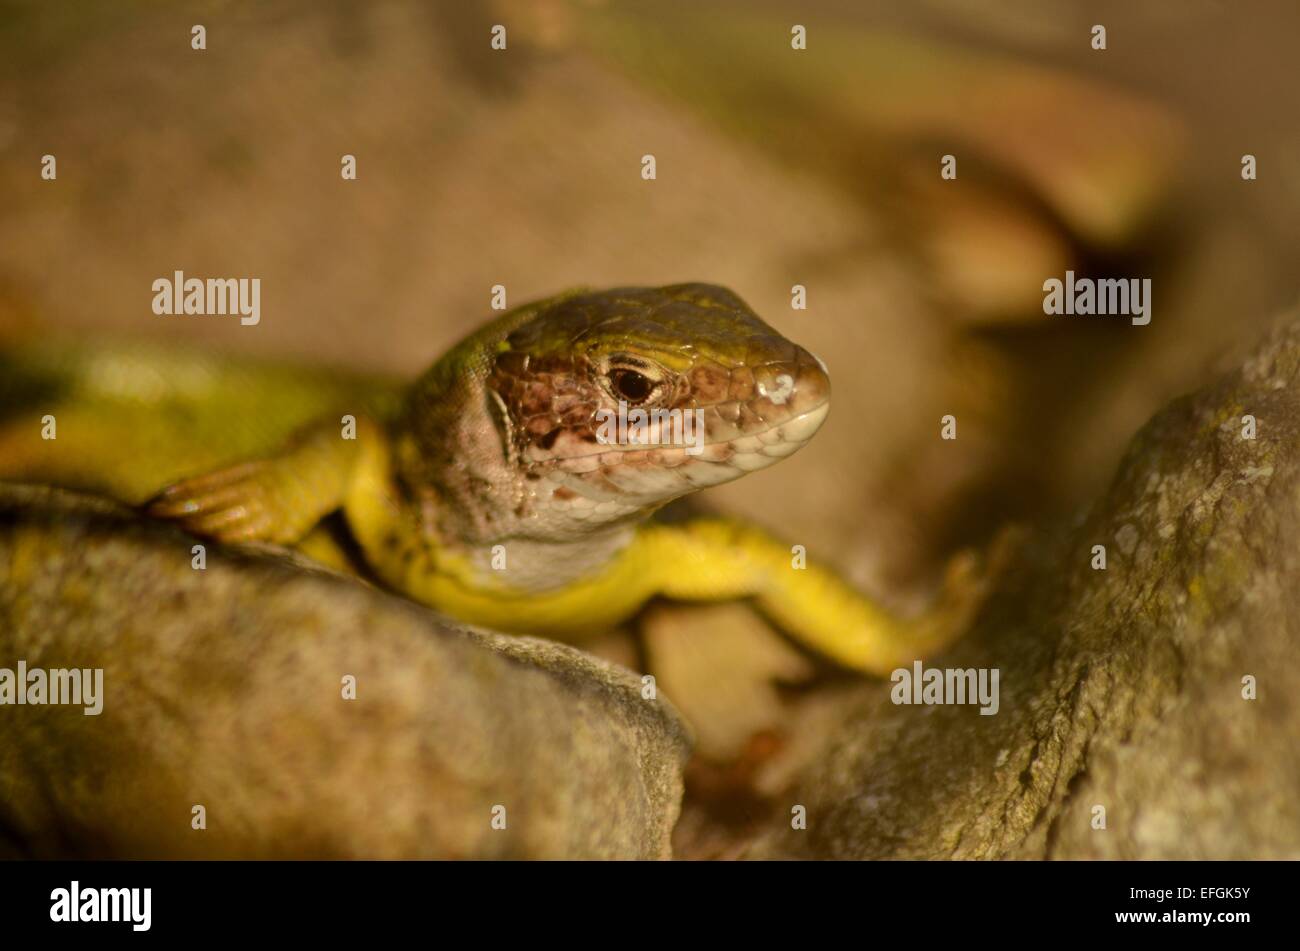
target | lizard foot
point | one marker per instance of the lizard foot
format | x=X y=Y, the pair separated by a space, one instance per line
x=234 y=504
x=972 y=576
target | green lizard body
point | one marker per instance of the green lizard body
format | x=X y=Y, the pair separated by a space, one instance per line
x=495 y=488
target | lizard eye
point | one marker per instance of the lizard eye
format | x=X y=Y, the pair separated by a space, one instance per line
x=630 y=385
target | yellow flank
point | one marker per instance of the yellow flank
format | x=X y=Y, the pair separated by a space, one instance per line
x=589 y=606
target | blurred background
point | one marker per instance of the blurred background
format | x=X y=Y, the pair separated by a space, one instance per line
x=775 y=167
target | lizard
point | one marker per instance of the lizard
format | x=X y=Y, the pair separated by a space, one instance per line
x=488 y=491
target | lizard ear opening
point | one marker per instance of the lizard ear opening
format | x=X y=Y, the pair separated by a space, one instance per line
x=500 y=416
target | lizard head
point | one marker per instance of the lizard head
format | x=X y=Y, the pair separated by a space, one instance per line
x=592 y=409
x=610 y=404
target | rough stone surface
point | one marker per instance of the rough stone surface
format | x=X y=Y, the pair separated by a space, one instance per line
x=223 y=688
x=1120 y=688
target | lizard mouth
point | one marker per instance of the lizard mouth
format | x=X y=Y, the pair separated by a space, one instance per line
x=796 y=430
x=772 y=442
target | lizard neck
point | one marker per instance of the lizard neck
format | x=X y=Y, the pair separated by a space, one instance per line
x=564 y=590
x=527 y=565
x=453 y=451
x=410 y=545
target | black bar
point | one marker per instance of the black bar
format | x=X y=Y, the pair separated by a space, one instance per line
x=329 y=900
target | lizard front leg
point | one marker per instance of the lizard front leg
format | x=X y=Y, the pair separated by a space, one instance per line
x=276 y=499
x=715 y=559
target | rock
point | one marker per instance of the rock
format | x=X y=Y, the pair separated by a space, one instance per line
x=1122 y=689
x=223 y=688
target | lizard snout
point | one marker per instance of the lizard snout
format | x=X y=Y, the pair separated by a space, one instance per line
x=790 y=387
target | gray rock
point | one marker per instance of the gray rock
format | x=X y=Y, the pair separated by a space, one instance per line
x=223 y=688
x=1120 y=688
